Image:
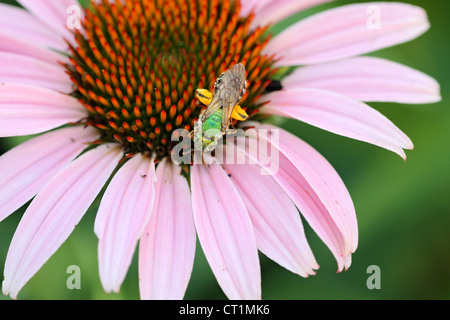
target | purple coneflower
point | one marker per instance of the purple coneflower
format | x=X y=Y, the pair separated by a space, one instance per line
x=107 y=97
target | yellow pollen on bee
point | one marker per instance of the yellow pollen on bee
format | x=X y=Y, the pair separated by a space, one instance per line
x=205 y=97
x=239 y=113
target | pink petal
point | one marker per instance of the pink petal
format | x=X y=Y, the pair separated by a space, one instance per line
x=55 y=212
x=348 y=31
x=325 y=181
x=225 y=232
x=9 y=43
x=52 y=13
x=338 y=114
x=278 y=228
x=123 y=213
x=368 y=79
x=27 y=168
x=167 y=247
x=276 y=11
x=20 y=69
x=299 y=189
x=26 y=110
x=21 y=24
x=249 y=6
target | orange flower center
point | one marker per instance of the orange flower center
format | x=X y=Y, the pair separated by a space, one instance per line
x=138 y=63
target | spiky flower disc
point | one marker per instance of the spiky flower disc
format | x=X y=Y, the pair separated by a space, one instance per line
x=138 y=63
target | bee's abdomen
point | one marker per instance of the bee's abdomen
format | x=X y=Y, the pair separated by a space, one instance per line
x=213 y=122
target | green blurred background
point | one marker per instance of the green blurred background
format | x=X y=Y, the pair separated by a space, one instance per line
x=403 y=208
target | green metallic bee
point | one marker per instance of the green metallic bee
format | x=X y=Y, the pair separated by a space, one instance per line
x=222 y=107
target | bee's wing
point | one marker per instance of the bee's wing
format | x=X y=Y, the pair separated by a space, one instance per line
x=230 y=87
x=227 y=93
x=234 y=79
x=215 y=105
x=227 y=112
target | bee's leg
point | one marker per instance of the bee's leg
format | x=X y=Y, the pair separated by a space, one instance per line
x=204 y=96
x=191 y=137
x=239 y=113
x=230 y=131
